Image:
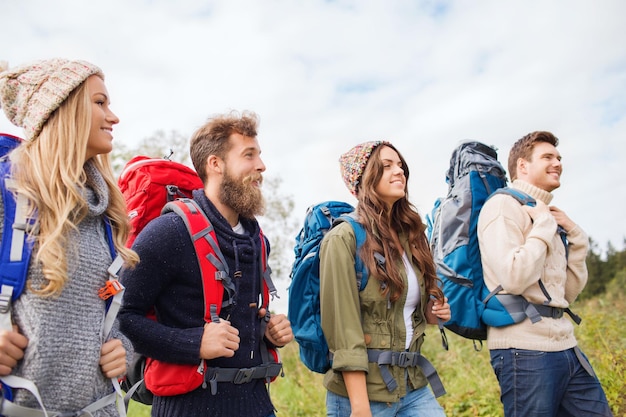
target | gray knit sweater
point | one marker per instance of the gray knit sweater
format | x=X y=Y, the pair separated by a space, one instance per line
x=64 y=332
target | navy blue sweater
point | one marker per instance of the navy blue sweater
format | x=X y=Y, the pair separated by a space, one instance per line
x=168 y=277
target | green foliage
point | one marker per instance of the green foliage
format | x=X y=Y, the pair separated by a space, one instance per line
x=136 y=409
x=279 y=225
x=300 y=393
x=472 y=387
x=602 y=336
x=602 y=268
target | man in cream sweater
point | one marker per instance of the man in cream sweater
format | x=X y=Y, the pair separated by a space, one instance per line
x=538 y=252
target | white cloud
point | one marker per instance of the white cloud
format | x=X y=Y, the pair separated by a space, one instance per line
x=325 y=75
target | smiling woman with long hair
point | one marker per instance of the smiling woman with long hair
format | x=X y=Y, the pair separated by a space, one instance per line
x=62 y=170
x=389 y=316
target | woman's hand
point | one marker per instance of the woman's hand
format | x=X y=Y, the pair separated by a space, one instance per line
x=113 y=359
x=435 y=311
x=12 y=346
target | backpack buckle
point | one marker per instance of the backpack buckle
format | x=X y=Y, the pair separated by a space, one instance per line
x=405 y=359
x=557 y=313
x=243 y=376
x=5 y=303
x=111 y=288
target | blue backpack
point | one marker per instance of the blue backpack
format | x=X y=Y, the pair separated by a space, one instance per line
x=15 y=249
x=15 y=253
x=304 y=297
x=304 y=290
x=474 y=175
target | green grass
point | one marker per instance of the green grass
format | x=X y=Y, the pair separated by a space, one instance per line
x=467 y=375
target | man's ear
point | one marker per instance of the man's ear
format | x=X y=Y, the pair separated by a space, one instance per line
x=214 y=164
x=521 y=167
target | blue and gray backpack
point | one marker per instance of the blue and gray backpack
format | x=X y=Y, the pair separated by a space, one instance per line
x=473 y=177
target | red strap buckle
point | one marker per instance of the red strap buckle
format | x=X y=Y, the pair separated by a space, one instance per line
x=111 y=288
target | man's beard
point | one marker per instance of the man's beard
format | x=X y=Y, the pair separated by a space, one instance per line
x=241 y=196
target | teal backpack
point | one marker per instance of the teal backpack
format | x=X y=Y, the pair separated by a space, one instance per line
x=304 y=297
x=304 y=290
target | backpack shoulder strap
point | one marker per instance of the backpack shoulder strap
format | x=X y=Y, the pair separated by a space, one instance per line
x=359 y=233
x=15 y=249
x=523 y=198
x=213 y=266
x=268 y=288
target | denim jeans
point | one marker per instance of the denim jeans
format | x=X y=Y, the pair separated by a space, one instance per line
x=547 y=384
x=417 y=403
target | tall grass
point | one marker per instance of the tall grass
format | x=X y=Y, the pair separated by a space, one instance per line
x=472 y=389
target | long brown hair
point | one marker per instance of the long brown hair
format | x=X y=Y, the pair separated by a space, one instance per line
x=379 y=222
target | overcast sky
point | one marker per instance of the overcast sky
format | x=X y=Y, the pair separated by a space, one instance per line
x=326 y=75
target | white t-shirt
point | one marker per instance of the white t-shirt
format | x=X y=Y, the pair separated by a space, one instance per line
x=412 y=299
x=239 y=229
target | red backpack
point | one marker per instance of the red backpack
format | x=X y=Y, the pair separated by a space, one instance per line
x=152 y=186
x=149 y=183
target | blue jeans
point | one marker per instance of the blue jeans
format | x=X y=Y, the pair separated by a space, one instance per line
x=417 y=403
x=547 y=384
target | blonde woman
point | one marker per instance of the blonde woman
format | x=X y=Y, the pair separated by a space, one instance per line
x=63 y=170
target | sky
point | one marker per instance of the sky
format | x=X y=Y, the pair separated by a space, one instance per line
x=326 y=75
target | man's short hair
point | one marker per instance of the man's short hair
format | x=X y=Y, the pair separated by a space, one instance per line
x=212 y=137
x=523 y=148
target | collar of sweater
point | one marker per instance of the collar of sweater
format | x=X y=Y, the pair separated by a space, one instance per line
x=96 y=192
x=535 y=192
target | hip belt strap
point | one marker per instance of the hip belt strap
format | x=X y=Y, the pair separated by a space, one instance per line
x=555 y=312
x=239 y=376
x=386 y=358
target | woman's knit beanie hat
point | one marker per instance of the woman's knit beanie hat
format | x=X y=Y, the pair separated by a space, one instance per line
x=29 y=94
x=353 y=162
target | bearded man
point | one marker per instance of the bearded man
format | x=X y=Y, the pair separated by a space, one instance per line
x=227 y=156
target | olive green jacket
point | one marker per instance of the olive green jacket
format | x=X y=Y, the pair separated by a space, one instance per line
x=354 y=321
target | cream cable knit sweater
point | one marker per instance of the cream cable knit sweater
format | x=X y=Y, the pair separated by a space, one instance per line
x=516 y=252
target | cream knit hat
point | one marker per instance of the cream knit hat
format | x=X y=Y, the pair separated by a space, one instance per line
x=29 y=94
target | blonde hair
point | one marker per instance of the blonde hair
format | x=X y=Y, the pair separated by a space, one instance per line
x=49 y=172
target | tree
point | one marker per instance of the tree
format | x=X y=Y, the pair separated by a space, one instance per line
x=603 y=270
x=173 y=146
x=279 y=226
